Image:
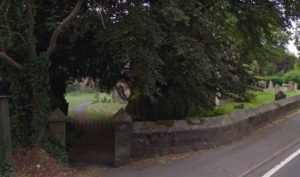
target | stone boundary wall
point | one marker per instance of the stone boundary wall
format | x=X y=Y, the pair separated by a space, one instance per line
x=149 y=139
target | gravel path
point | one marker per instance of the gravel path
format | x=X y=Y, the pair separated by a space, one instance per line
x=78 y=111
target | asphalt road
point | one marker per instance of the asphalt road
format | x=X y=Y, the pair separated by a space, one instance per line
x=291 y=169
x=253 y=156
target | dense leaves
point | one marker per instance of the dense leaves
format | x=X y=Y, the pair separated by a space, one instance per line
x=175 y=55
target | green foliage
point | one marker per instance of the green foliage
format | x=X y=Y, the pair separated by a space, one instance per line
x=178 y=54
x=244 y=97
x=297 y=64
x=38 y=73
x=293 y=75
x=276 y=78
x=103 y=111
x=55 y=150
x=6 y=168
x=167 y=123
x=73 y=87
x=254 y=66
x=285 y=62
x=195 y=59
x=195 y=120
x=270 y=69
x=212 y=113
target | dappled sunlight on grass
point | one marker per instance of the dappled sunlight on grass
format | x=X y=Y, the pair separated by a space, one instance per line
x=102 y=110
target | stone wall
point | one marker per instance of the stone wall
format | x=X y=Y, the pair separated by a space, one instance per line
x=5 y=139
x=149 y=139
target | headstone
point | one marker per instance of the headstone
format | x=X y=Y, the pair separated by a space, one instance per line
x=280 y=95
x=270 y=86
x=97 y=96
x=284 y=88
x=217 y=102
x=121 y=92
x=288 y=87
x=277 y=88
x=57 y=126
x=122 y=131
x=5 y=135
x=262 y=84
x=291 y=87
x=295 y=86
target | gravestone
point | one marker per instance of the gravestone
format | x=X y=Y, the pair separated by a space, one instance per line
x=284 y=87
x=288 y=87
x=295 y=86
x=5 y=135
x=270 y=86
x=280 y=95
x=121 y=92
x=97 y=96
x=262 y=84
x=122 y=131
x=217 y=101
x=277 y=88
x=57 y=126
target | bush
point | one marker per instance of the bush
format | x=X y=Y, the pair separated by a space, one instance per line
x=270 y=69
x=73 y=87
x=6 y=168
x=245 y=97
x=293 y=75
x=212 y=113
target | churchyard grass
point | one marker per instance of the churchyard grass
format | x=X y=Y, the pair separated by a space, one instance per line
x=103 y=109
x=260 y=99
x=106 y=107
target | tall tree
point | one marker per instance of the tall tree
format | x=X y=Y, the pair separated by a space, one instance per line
x=175 y=55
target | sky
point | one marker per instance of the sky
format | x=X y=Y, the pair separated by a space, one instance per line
x=292 y=48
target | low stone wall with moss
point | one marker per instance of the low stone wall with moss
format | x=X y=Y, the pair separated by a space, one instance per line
x=149 y=139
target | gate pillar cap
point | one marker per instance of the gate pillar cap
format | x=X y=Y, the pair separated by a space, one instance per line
x=121 y=117
x=58 y=116
x=4 y=96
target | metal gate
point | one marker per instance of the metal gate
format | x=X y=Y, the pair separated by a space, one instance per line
x=93 y=142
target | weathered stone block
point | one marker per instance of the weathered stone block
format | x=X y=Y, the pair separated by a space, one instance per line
x=57 y=126
x=5 y=135
x=122 y=131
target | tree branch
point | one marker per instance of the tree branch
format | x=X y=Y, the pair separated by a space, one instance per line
x=101 y=16
x=31 y=23
x=62 y=26
x=16 y=34
x=10 y=61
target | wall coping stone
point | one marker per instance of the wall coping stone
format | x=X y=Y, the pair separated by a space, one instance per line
x=121 y=117
x=58 y=116
x=147 y=127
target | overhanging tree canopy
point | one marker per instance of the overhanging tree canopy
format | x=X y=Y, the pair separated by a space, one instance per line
x=179 y=53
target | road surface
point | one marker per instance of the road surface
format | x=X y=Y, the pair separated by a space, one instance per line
x=292 y=169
